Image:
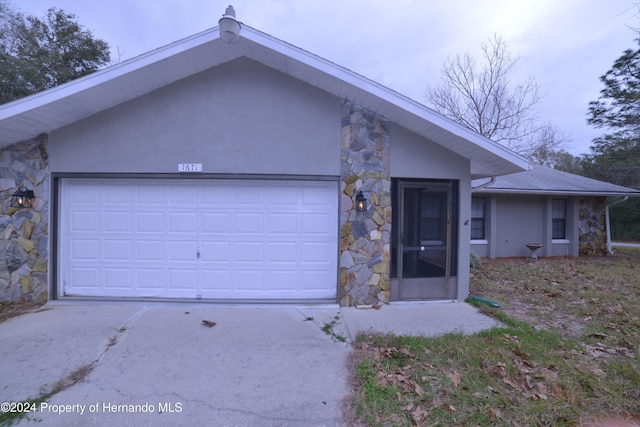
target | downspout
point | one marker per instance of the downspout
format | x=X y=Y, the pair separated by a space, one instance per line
x=491 y=181
x=606 y=221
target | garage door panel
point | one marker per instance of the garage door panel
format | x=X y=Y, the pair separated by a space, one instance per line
x=118 y=278
x=151 y=279
x=150 y=194
x=219 y=252
x=248 y=252
x=182 y=194
x=249 y=195
x=183 y=222
x=222 y=239
x=122 y=194
x=150 y=222
x=85 y=221
x=150 y=250
x=85 y=277
x=216 y=222
x=316 y=252
x=278 y=280
x=216 y=280
x=314 y=280
x=181 y=250
x=281 y=197
x=85 y=249
x=248 y=280
x=316 y=223
x=117 y=222
x=282 y=223
x=282 y=252
x=248 y=223
x=182 y=278
x=118 y=250
x=84 y=192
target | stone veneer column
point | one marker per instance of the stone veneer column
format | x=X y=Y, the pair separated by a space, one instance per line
x=24 y=234
x=592 y=229
x=364 y=236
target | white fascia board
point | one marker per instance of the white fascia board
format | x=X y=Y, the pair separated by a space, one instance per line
x=94 y=79
x=489 y=190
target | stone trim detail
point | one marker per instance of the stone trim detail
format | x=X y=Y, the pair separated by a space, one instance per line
x=365 y=237
x=592 y=229
x=24 y=233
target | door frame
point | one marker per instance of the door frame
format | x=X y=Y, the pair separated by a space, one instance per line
x=437 y=185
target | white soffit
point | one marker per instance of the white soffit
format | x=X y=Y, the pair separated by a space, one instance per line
x=60 y=106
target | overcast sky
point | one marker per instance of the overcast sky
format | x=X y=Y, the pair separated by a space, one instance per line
x=565 y=45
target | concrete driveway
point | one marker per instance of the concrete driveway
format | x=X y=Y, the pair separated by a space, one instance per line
x=157 y=364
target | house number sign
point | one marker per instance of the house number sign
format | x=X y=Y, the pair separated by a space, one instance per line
x=189 y=167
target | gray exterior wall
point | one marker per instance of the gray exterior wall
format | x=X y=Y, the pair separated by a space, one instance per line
x=241 y=117
x=415 y=157
x=512 y=220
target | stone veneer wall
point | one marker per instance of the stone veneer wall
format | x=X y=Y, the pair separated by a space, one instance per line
x=24 y=234
x=365 y=237
x=592 y=226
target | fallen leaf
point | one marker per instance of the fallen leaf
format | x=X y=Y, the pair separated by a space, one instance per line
x=513 y=382
x=500 y=370
x=455 y=378
x=209 y=323
x=520 y=353
x=558 y=391
x=448 y=407
x=539 y=396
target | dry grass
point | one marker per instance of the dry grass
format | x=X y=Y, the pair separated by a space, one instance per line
x=13 y=309
x=569 y=353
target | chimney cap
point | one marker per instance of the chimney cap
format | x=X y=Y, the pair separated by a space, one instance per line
x=229 y=26
x=229 y=12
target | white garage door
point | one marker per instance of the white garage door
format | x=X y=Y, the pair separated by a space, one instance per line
x=219 y=239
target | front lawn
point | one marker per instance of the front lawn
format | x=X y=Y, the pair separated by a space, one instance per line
x=568 y=354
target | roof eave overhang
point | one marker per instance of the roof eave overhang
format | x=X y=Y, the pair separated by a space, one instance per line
x=488 y=190
x=60 y=106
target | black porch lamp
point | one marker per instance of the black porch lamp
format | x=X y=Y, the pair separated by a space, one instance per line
x=361 y=202
x=22 y=198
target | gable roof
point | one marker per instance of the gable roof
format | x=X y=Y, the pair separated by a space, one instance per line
x=65 y=104
x=542 y=180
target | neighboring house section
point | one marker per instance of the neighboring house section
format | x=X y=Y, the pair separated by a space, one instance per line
x=248 y=170
x=565 y=213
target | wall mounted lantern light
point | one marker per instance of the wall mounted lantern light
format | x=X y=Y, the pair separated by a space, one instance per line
x=361 y=202
x=22 y=198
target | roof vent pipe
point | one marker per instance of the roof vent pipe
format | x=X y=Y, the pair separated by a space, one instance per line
x=229 y=26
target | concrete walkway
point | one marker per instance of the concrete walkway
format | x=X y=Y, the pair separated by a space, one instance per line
x=157 y=364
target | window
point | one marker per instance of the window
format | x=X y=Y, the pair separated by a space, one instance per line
x=559 y=215
x=477 y=217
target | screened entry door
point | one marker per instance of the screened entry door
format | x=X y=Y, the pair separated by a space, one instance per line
x=424 y=255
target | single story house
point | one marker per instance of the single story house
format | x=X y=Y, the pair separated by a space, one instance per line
x=566 y=214
x=232 y=166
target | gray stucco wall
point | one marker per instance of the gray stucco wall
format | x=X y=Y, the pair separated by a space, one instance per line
x=511 y=221
x=520 y=220
x=412 y=156
x=240 y=117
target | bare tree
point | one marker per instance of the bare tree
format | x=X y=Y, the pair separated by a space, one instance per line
x=484 y=99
